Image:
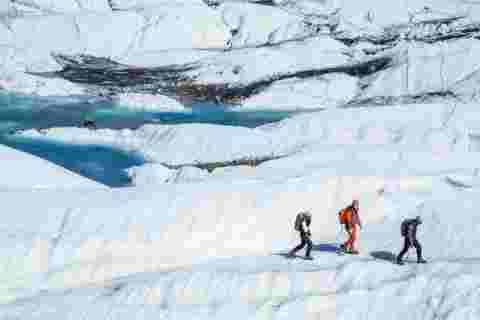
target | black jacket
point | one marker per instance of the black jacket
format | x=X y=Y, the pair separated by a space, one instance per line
x=412 y=231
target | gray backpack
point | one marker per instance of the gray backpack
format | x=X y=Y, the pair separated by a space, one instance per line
x=299 y=219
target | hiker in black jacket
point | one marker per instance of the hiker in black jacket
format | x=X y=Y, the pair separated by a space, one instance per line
x=409 y=232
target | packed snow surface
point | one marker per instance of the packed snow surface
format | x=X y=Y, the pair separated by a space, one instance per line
x=200 y=233
x=148 y=102
x=184 y=242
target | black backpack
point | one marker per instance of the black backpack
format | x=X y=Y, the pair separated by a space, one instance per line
x=404 y=226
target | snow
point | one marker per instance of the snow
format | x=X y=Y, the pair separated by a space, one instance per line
x=327 y=91
x=154 y=173
x=140 y=4
x=59 y=6
x=430 y=68
x=117 y=35
x=5 y=7
x=172 y=144
x=149 y=173
x=189 y=174
x=33 y=51
x=371 y=15
x=105 y=34
x=186 y=243
x=249 y=65
x=148 y=102
x=207 y=226
x=254 y=25
x=129 y=268
x=242 y=42
x=410 y=140
x=195 y=25
x=22 y=83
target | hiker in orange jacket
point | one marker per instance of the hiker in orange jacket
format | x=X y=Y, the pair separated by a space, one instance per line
x=350 y=218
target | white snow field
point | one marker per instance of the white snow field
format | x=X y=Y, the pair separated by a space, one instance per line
x=184 y=243
x=394 y=121
x=148 y=102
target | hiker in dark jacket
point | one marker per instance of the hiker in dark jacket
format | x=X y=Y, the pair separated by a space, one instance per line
x=409 y=232
x=302 y=225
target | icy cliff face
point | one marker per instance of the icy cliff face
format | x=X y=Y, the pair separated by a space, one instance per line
x=244 y=52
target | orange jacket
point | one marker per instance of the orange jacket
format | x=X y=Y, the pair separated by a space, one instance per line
x=349 y=217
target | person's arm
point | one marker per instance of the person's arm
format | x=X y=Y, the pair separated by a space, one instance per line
x=348 y=227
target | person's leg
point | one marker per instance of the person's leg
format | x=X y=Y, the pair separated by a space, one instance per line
x=418 y=247
x=309 y=246
x=406 y=246
x=354 y=238
x=299 y=247
x=349 y=245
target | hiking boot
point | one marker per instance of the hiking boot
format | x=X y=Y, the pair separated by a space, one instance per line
x=421 y=260
x=308 y=258
x=400 y=262
x=350 y=251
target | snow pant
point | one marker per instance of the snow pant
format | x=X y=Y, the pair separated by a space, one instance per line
x=305 y=240
x=407 y=245
x=349 y=244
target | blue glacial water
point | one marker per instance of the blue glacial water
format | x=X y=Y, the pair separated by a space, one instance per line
x=100 y=163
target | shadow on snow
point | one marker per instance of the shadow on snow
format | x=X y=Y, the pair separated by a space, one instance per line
x=325 y=247
x=384 y=255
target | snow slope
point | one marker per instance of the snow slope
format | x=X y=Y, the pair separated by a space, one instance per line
x=136 y=268
x=75 y=242
x=188 y=244
x=148 y=102
x=443 y=131
x=171 y=144
x=327 y=91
